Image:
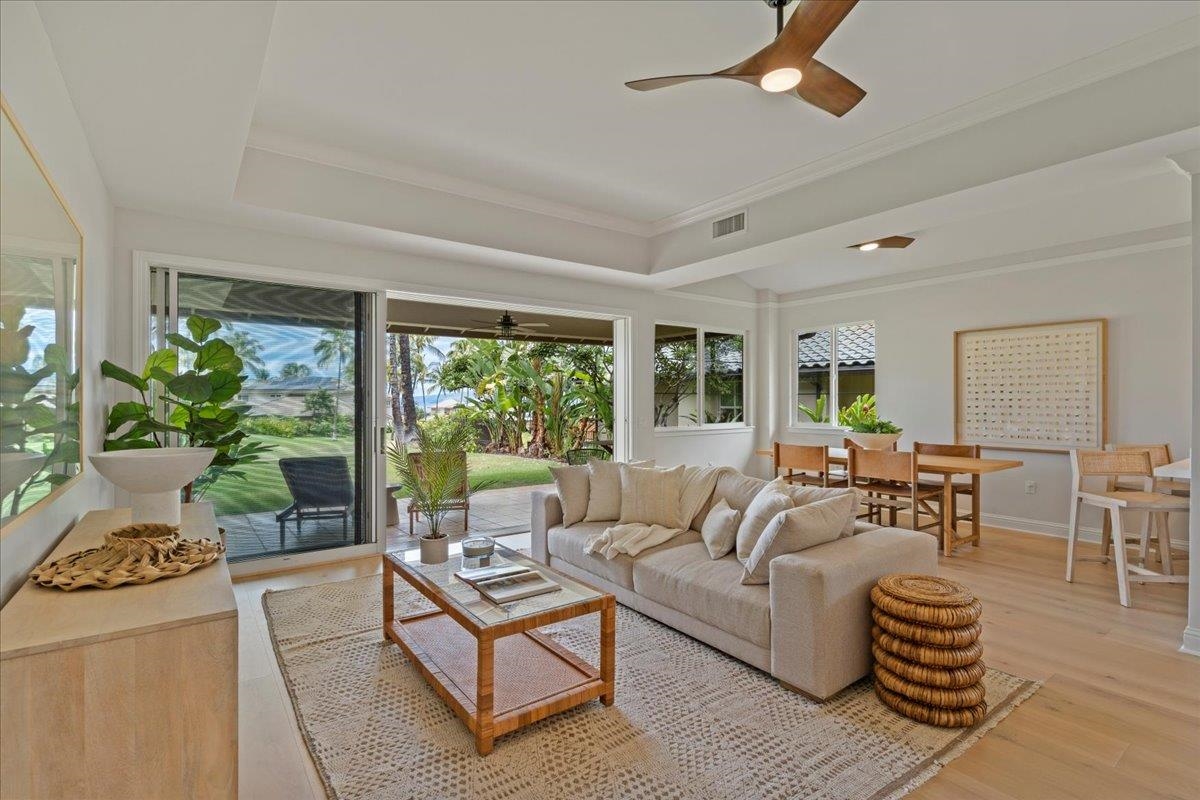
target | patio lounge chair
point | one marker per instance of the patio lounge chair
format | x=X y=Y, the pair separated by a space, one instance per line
x=321 y=489
x=581 y=455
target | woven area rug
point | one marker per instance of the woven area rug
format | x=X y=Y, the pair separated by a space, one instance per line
x=689 y=721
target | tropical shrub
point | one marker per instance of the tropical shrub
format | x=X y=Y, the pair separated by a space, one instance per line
x=437 y=426
x=860 y=417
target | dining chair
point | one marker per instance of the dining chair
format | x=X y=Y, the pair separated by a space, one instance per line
x=1130 y=467
x=805 y=464
x=1160 y=456
x=889 y=480
x=967 y=488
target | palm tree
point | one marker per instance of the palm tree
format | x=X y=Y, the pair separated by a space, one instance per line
x=335 y=345
x=404 y=358
x=294 y=369
x=249 y=350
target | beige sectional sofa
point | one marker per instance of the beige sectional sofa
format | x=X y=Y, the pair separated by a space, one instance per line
x=810 y=627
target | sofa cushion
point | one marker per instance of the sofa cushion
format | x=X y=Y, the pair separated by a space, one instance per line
x=798 y=529
x=686 y=579
x=569 y=544
x=651 y=496
x=720 y=529
x=573 y=484
x=769 y=501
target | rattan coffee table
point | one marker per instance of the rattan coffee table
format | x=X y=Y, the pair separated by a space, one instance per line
x=488 y=662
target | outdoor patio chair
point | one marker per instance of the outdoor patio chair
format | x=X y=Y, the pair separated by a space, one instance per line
x=581 y=455
x=321 y=488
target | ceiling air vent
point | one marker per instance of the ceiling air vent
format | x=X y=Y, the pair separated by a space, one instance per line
x=728 y=226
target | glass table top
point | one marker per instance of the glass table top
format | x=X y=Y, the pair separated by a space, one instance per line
x=482 y=610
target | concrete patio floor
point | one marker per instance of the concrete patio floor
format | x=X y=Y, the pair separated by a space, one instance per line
x=494 y=512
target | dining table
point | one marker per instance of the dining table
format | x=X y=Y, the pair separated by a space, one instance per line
x=947 y=467
x=1176 y=471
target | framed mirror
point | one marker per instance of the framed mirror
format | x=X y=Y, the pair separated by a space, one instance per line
x=41 y=257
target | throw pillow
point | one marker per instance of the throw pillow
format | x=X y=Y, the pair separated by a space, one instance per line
x=762 y=509
x=604 y=497
x=573 y=489
x=720 y=528
x=803 y=495
x=651 y=496
x=736 y=489
x=798 y=529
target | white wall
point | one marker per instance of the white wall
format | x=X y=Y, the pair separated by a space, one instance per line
x=34 y=88
x=136 y=230
x=1145 y=297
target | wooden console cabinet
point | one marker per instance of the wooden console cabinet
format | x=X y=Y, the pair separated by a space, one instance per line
x=122 y=693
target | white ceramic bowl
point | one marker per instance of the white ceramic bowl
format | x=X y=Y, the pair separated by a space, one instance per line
x=16 y=468
x=153 y=477
x=874 y=441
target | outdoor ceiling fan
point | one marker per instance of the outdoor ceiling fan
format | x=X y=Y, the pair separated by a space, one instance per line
x=507 y=326
x=787 y=64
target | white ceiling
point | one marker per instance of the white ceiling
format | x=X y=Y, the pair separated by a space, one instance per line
x=500 y=132
x=528 y=96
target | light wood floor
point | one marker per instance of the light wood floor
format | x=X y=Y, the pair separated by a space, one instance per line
x=1118 y=716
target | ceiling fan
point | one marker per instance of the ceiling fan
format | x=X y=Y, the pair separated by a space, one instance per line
x=506 y=326
x=787 y=64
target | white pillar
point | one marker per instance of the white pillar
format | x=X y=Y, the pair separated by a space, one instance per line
x=1189 y=163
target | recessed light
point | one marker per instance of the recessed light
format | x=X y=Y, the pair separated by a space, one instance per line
x=889 y=242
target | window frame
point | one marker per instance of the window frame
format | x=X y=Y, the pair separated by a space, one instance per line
x=794 y=421
x=747 y=390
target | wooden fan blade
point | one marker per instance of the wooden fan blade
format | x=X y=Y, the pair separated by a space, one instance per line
x=828 y=89
x=534 y=324
x=646 y=84
x=806 y=30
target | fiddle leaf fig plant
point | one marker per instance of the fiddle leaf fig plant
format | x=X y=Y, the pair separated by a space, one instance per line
x=188 y=400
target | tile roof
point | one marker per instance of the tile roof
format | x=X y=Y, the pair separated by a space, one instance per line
x=856 y=347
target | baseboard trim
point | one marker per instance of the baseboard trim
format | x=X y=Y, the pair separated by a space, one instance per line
x=1191 y=641
x=1055 y=529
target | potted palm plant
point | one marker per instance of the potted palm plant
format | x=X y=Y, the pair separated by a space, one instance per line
x=432 y=469
x=866 y=429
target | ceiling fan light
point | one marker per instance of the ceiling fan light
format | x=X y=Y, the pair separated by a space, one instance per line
x=869 y=246
x=781 y=80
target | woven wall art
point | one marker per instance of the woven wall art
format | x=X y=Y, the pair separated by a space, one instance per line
x=1031 y=387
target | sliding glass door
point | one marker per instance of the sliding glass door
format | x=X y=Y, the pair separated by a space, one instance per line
x=306 y=395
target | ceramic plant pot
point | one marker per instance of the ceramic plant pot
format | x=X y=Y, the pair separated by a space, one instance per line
x=874 y=441
x=435 y=551
x=153 y=477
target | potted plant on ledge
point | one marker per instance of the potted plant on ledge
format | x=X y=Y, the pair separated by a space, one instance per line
x=866 y=429
x=434 y=474
x=184 y=430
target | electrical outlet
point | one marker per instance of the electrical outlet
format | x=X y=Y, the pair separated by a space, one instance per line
x=1030 y=487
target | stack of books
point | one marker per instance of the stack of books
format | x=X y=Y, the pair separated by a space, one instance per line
x=506 y=582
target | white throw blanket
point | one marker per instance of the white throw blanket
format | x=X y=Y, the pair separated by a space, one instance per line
x=634 y=537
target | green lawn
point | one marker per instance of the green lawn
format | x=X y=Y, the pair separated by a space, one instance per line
x=264 y=490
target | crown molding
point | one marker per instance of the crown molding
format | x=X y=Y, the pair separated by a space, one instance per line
x=293 y=147
x=966 y=274
x=705 y=298
x=1135 y=53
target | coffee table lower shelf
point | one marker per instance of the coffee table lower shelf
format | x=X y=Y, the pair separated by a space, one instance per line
x=495 y=685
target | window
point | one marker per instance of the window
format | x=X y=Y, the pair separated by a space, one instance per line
x=837 y=361
x=699 y=377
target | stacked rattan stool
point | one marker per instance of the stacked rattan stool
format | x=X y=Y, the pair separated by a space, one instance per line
x=926 y=648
